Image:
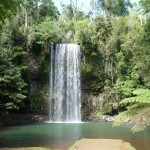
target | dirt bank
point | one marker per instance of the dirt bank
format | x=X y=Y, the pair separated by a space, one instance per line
x=103 y=144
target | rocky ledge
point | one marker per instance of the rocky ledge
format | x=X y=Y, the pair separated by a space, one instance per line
x=14 y=119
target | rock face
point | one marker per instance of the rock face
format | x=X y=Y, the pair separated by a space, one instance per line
x=90 y=104
x=103 y=144
x=34 y=67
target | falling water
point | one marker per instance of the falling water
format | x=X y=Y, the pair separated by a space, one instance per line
x=65 y=90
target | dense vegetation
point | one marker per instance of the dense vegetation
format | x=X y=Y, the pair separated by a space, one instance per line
x=115 y=43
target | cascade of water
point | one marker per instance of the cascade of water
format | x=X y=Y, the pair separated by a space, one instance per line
x=65 y=89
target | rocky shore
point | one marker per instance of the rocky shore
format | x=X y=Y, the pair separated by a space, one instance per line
x=107 y=118
x=14 y=119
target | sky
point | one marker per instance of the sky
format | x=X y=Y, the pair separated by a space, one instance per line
x=82 y=4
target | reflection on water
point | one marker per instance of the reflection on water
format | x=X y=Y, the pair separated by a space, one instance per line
x=64 y=135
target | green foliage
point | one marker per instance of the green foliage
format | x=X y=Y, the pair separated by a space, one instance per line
x=110 y=101
x=125 y=87
x=46 y=32
x=81 y=28
x=146 y=5
x=18 y=55
x=68 y=11
x=11 y=84
x=37 y=101
x=7 y=8
x=117 y=8
x=47 y=9
x=143 y=96
x=138 y=113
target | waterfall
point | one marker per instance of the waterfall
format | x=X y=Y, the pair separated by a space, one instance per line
x=65 y=91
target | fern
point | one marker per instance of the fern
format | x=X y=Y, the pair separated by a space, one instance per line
x=141 y=91
x=137 y=114
x=142 y=96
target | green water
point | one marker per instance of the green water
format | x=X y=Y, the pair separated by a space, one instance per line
x=64 y=135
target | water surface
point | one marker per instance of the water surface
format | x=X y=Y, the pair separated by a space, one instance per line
x=62 y=135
